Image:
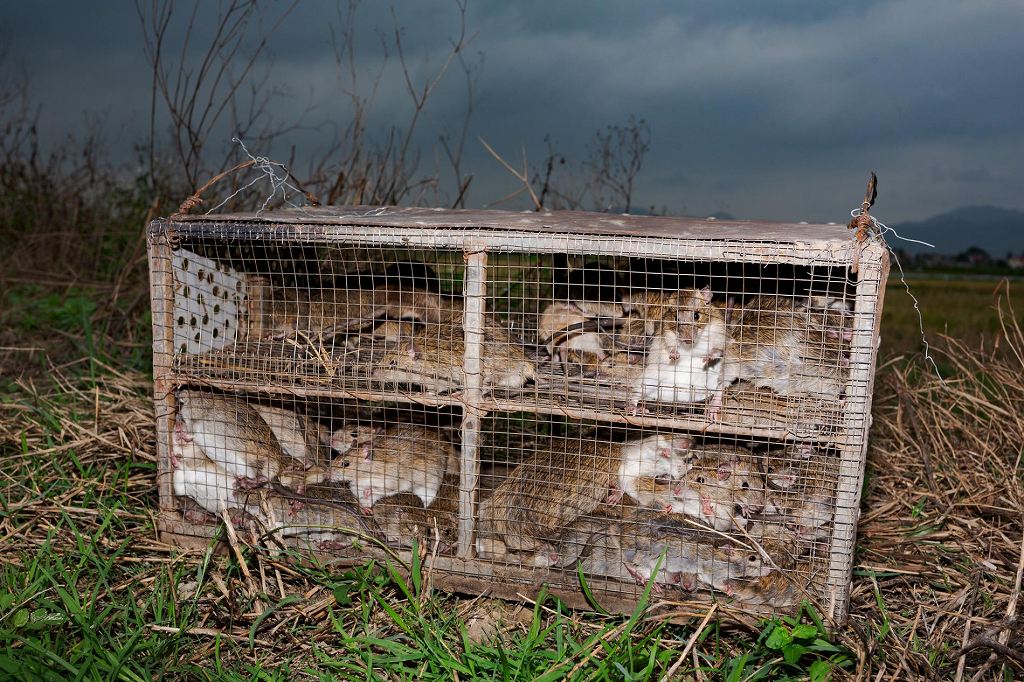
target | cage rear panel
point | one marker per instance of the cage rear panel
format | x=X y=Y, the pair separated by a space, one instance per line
x=532 y=396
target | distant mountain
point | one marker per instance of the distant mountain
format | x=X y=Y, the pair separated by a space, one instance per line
x=997 y=230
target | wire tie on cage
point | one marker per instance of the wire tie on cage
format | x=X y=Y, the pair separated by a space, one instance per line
x=261 y=162
x=862 y=222
x=197 y=197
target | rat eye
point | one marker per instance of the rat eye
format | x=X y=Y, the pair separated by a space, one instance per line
x=699 y=479
x=345 y=463
x=696 y=316
x=663 y=479
x=745 y=485
x=752 y=558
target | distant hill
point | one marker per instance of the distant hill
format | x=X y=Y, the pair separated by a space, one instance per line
x=997 y=230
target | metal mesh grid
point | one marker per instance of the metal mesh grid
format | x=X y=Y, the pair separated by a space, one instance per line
x=529 y=406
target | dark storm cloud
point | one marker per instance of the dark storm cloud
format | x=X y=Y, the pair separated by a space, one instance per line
x=773 y=110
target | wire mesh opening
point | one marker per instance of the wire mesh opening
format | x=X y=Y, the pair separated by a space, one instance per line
x=530 y=408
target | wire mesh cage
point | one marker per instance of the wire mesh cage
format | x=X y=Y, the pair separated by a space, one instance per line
x=534 y=397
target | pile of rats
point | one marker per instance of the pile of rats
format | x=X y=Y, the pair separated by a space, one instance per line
x=656 y=507
x=655 y=346
x=666 y=509
x=290 y=473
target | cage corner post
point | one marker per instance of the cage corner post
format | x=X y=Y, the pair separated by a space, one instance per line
x=474 y=294
x=870 y=294
x=162 y=303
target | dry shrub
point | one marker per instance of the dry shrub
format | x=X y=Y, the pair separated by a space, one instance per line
x=941 y=537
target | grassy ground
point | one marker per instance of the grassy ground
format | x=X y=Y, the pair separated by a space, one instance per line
x=88 y=590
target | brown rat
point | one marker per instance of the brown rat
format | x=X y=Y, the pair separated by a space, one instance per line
x=724 y=486
x=321 y=524
x=401 y=458
x=433 y=358
x=556 y=486
x=801 y=494
x=332 y=311
x=775 y=589
x=403 y=517
x=775 y=345
x=633 y=548
x=561 y=330
x=234 y=436
x=301 y=437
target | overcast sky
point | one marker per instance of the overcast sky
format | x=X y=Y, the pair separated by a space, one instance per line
x=771 y=110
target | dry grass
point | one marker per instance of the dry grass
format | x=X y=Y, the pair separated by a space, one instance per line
x=940 y=551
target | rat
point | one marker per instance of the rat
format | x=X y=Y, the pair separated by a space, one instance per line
x=682 y=364
x=196 y=476
x=647 y=312
x=561 y=330
x=433 y=358
x=401 y=458
x=801 y=494
x=836 y=315
x=663 y=456
x=234 y=436
x=403 y=517
x=633 y=548
x=553 y=488
x=723 y=486
x=775 y=589
x=322 y=524
x=336 y=310
x=302 y=438
x=773 y=345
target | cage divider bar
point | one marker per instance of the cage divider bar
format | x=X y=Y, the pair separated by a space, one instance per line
x=184 y=375
x=474 y=294
x=161 y=291
x=871 y=276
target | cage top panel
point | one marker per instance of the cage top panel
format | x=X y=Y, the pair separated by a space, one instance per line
x=551 y=222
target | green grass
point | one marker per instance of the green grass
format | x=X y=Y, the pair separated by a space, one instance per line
x=87 y=592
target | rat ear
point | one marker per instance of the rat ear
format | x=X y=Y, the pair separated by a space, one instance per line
x=413 y=351
x=367 y=452
x=705 y=294
x=724 y=472
x=682 y=442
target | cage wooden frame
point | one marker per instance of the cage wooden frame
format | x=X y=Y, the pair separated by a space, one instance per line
x=480 y=233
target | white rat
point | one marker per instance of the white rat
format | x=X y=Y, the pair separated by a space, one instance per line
x=683 y=361
x=198 y=477
x=661 y=455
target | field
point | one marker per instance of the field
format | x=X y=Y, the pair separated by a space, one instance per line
x=964 y=309
x=90 y=592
